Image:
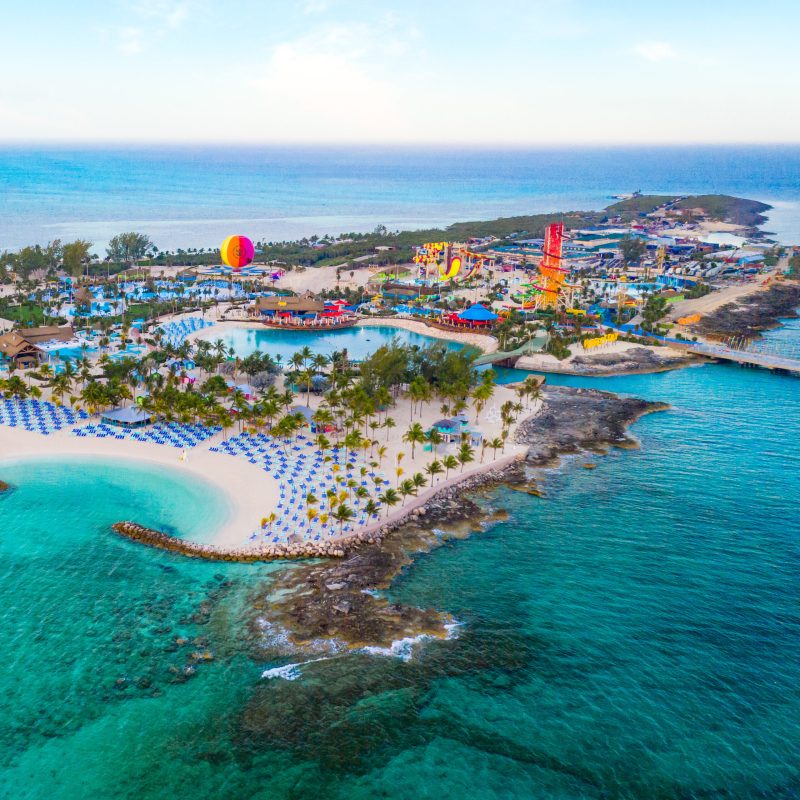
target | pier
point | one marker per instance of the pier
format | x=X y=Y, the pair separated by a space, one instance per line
x=784 y=359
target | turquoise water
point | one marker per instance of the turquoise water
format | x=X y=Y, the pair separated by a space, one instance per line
x=359 y=342
x=634 y=634
x=195 y=196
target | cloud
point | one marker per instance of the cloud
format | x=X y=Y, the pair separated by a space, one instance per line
x=330 y=83
x=130 y=41
x=168 y=13
x=314 y=7
x=655 y=51
x=153 y=20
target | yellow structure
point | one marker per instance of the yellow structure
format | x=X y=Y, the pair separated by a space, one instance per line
x=599 y=341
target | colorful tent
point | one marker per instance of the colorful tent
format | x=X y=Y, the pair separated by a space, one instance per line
x=477 y=313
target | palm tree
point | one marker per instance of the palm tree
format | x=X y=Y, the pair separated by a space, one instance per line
x=419 y=480
x=435 y=438
x=306 y=378
x=371 y=508
x=481 y=395
x=14 y=387
x=495 y=444
x=449 y=462
x=388 y=423
x=414 y=435
x=406 y=488
x=465 y=455
x=389 y=498
x=343 y=513
x=434 y=468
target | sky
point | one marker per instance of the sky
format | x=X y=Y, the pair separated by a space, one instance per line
x=510 y=72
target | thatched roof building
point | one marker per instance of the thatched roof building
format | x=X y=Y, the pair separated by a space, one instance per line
x=83 y=296
x=294 y=305
x=22 y=346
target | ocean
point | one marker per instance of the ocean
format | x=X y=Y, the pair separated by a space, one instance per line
x=633 y=634
x=194 y=197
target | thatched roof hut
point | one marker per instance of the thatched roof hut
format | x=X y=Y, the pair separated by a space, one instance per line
x=301 y=304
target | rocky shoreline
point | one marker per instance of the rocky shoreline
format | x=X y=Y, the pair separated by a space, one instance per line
x=4 y=487
x=335 y=605
x=575 y=419
x=753 y=314
x=629 y=362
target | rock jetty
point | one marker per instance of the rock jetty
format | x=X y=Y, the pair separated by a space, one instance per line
x=629 y=362
x=334 y=548
x=4 y=487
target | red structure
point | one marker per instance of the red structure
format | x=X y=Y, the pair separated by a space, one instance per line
x=552 y=275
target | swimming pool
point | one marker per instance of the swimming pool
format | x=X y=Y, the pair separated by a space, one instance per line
x=359 y=341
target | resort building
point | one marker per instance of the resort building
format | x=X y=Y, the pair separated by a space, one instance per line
x=300 y=312
x=24 y=348
x=128 y=417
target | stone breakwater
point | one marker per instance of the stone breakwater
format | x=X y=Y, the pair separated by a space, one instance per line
x=336 y=548
x=4 y=487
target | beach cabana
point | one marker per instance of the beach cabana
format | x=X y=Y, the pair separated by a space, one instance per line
x=450 y=429
x=128 y=417
x=306 y=412
x=246 y=389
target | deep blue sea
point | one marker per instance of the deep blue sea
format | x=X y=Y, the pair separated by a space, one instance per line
x=194 y=197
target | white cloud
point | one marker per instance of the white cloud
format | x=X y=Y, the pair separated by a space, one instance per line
x=328 y=83
x=130 y=41
x=169 y=13
x=655 y=51
x=314 y=7
x=154 y=19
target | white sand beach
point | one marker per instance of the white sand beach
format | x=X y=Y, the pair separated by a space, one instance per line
x=251 y=492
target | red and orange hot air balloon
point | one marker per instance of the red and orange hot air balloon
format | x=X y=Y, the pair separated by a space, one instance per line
x=237 y=251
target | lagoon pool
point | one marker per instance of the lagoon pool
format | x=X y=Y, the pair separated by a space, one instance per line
x=359 y=342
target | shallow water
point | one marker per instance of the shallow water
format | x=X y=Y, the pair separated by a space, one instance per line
x=359 y=341
x=633 y=634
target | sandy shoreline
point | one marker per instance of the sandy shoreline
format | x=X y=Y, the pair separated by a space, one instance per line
x=250 y=493
x=486 y=342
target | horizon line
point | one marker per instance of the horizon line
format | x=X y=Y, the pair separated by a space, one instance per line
x=422 y=145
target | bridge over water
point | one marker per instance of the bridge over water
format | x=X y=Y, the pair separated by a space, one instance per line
x=533 y=345
x=778 y=357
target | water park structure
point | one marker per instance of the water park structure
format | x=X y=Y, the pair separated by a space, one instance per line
x=551 y=292
x=449 y=261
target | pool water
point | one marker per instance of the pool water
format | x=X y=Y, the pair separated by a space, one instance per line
x=359 y=341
